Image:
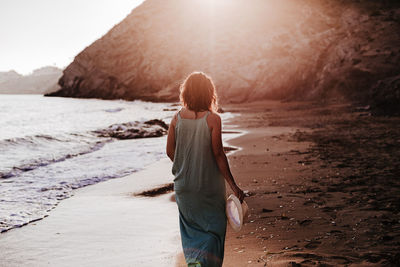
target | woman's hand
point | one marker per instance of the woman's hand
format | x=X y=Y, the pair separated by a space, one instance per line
x=238 y=193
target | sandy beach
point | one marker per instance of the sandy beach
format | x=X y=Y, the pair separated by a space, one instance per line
x=308 y=93
x=322 y=186
x=102 y=225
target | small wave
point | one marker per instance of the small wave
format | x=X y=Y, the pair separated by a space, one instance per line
x=45 y=169
x=32 y=194
x=30 y=140
x=44 y=162
x=28 y=153
x=24 y=154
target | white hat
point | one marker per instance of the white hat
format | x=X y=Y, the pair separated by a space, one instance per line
x=236 y=212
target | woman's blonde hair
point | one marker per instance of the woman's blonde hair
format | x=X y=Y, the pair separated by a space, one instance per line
x=198 y=93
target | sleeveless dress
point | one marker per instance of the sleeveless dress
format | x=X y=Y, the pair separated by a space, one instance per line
x=200 y=194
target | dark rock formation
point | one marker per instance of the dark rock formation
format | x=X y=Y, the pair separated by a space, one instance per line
x=133 y=130
x=292 y=49
x=40 y=81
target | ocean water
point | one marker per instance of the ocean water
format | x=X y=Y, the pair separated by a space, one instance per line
x=48 y=148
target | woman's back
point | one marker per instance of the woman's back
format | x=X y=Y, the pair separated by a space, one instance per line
x=195 y=168
x=200 y=168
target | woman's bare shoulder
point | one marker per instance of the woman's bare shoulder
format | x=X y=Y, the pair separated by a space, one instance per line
x=214 y=118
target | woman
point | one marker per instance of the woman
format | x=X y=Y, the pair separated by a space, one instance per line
x=200 y=165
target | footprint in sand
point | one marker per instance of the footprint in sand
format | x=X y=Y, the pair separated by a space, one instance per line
x=266 y=210
x=312 y=244
x=305 y=222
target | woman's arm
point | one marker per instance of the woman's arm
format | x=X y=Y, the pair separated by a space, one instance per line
x=171 y=139
x=220 y=157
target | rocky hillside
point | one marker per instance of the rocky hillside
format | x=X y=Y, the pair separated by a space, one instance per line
x=292 y=49
x=41 y=81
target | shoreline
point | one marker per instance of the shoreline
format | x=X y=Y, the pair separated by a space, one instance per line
x=44 y=158
x=102 y=224
x=94 y=210
x=311 y=200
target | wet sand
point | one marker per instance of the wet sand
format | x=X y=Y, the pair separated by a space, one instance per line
x=128 y=221
x=102 y=225
x=323 y=190
x=323 y=184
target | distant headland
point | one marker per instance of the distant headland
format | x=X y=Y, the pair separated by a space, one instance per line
x=41 y=81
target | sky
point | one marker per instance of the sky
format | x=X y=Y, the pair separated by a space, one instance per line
x=37 y=33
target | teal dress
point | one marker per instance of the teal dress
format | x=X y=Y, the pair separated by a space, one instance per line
x=200 y=194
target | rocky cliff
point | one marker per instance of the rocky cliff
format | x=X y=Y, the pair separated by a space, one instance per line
x=41 y=81
x=252 y=49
